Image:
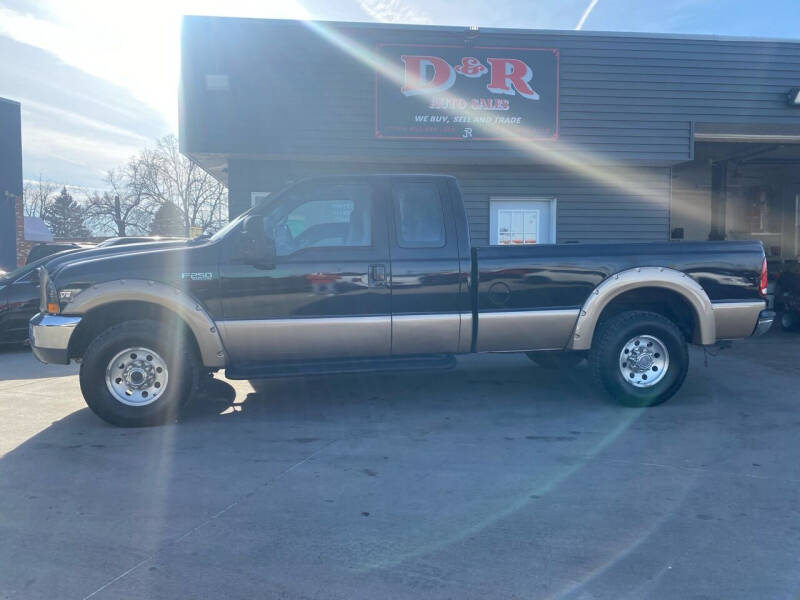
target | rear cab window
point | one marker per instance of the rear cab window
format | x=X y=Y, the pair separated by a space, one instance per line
x=418 y=215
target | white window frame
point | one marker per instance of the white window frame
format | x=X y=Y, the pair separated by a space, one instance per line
x=553 y=212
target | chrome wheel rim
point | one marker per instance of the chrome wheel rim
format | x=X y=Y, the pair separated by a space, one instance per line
x=643 y=361
x=137 y=376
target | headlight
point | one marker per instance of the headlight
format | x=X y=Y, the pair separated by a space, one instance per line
x=50 y=302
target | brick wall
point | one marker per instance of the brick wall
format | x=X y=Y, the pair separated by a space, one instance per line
x=23 y=246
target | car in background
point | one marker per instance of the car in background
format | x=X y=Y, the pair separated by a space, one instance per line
x=19 y=298
x=48 y=248
x=20 y=293
x=138 y=239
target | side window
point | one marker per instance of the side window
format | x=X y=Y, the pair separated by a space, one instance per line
x=329 y=216
x=418 y=215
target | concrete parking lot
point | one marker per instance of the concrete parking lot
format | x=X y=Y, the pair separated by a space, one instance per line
x=495 y=480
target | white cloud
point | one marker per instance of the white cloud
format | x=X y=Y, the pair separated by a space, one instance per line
x=393 y=11
x=135 y=45
x=71 y=158
x=91 y=126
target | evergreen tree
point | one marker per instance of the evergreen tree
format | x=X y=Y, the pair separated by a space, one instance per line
x=65 y=217
x=167 y=221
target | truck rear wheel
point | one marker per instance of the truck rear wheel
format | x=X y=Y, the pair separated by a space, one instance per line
x=641 y=358
x=138 y=373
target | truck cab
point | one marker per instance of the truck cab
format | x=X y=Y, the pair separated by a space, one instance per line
x=349 y=267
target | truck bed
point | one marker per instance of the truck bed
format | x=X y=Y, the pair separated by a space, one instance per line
x=563 y=275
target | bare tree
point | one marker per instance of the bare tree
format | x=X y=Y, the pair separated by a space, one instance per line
x=36 y=196
x=124 y=208
x=135 y=194
x=167 y=176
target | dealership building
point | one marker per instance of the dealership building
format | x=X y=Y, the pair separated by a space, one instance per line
x=567 y=137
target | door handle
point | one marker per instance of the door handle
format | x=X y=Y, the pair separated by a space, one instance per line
x=377 y=276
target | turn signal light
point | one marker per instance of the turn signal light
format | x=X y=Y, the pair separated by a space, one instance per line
x=53 y=307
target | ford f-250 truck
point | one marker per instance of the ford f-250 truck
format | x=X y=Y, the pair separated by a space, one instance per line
x=357 y=273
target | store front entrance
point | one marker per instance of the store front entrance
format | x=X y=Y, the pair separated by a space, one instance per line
x=740 y=191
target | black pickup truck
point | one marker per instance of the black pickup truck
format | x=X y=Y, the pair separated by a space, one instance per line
x=356 y=273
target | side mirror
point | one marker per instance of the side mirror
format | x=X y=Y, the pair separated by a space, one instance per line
x=257 y=248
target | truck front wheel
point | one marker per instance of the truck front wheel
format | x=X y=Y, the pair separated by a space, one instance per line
x=138 y=373
x=641 y=358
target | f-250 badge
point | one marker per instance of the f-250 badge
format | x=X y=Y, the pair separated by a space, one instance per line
x=197 y=276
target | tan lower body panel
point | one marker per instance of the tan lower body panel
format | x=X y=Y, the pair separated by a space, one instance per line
x=514 y=331
x=426 y=334
x=736 y=320
x=307 y=338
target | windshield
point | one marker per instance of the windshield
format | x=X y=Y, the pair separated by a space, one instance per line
x=229 y=227
x=263 y=200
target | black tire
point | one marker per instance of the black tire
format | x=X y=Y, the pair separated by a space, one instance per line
x=557 y=359
x=609 y=343
x=183 y=367
x=790 y=320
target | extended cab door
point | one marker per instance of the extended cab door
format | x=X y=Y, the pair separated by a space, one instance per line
x=325 y=293
x=427 y=283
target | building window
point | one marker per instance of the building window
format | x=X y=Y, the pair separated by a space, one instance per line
x=522 y=221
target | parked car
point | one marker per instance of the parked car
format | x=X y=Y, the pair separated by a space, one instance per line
x=279 y=292
x=20 y=296
x=40 y=251
x=139 y=239
x=19 y=300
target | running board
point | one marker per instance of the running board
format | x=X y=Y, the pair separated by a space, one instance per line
x=333 y=367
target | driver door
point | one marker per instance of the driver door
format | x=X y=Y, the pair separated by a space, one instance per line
x=325 y=293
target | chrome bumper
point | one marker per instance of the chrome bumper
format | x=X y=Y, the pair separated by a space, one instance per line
x=49 y=336
x=765 y=319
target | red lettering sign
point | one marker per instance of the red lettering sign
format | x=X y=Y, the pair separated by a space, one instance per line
x=470 y=67
x=458 y=92
x=509 y=74
x=416 y=79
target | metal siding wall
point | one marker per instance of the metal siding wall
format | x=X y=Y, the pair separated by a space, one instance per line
x=10 y=180
x=587 y=210
x=622 y=98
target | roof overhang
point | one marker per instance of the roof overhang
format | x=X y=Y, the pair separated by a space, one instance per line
x=763 y=133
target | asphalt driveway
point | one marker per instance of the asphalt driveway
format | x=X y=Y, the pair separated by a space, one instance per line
x=495 y=480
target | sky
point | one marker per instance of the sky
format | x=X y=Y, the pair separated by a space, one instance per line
x=98 y=79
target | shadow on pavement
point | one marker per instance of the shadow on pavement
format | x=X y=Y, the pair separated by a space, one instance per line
x=478 y=386
x=18 y=363
x=83 y=501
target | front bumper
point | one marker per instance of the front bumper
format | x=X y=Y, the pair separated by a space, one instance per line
x=765 y=319
x=50 y=335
